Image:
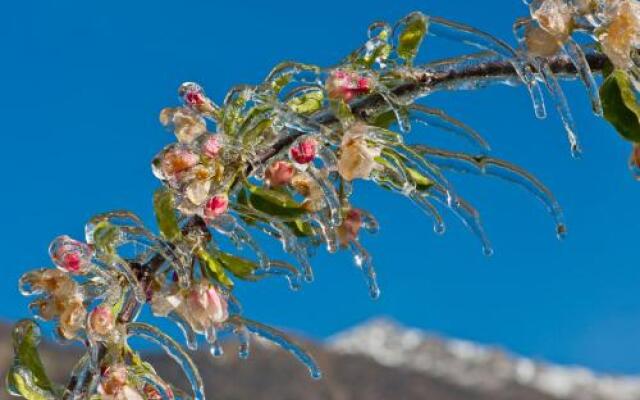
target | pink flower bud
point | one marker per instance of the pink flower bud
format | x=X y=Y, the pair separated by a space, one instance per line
x=211 y=146
x=304 y=151
x=192 y=94
x=194 y=97
x=217 y=306
x=206 y=307
x=101 y=321
x=216 y=206
x=70 y=255
x=279 y=173
x=346 y=85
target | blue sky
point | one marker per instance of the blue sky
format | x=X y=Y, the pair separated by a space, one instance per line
x=84 y=82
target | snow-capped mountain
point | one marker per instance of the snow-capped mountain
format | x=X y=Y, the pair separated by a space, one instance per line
x=476 y=366
x=379 y=360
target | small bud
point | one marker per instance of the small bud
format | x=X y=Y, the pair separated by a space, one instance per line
x=216 y=206
x=193 y=96
x=211 y=146
x=279 y=173
x=304 y=151
x=346 y=85
x=70 y=255
x=101 y=321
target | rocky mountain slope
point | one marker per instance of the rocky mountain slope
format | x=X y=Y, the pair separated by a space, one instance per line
x=375 y=361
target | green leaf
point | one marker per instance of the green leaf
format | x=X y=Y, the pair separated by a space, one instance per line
x=105 y=236
x=273 y=202
x=214 y=268
x=384 y=120
x=27 y=376
x=164 y=206
x=238 y=266
x=620 y=105
x=422 y=182
x=307 y=103
x=279 y=83
x=411 y=36
x=341 y=110
x=300 y=228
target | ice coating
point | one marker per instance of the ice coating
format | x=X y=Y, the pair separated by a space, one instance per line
x=278 y=160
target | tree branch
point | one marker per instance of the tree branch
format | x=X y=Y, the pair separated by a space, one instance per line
x=433 y=77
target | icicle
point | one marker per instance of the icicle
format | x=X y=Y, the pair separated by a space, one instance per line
x=280 y=268
x=190 y=337
x=279 y=230
x=439 y=119
x=578 y=58
x=130 y=229
x=328 y=158
x=500 y=169
x=369 y=222
x=562 y=106
x=473 y=37
x=419 y=200
x=279 y=338
x=328 y=231
x=395 y=166
x=298 y=252
x=363 y=260
x=432 y=172
x=288 y=69
x=397 y=107
x=81 y=373
x=174 y=351
x=116 y=263
x=244 y=348
x=535 y=91
x=164 y=389
x=216 y=350
x=229 y=226
x=384 y=137
x=468 y=215
x=330 y=195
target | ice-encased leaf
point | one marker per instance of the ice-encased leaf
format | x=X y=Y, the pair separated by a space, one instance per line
x=274 y=202
x=164 y=207
x=214 y=267
x=620 y=105
x=412 y=30
x=27 y=376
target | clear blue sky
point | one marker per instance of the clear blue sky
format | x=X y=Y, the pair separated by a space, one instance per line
x=83 y=83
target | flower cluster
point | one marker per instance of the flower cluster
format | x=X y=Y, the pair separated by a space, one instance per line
x=615 y=26
x=280 y=159
x=201 y=306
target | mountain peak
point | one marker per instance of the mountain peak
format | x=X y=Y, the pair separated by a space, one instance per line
x=468 y=364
